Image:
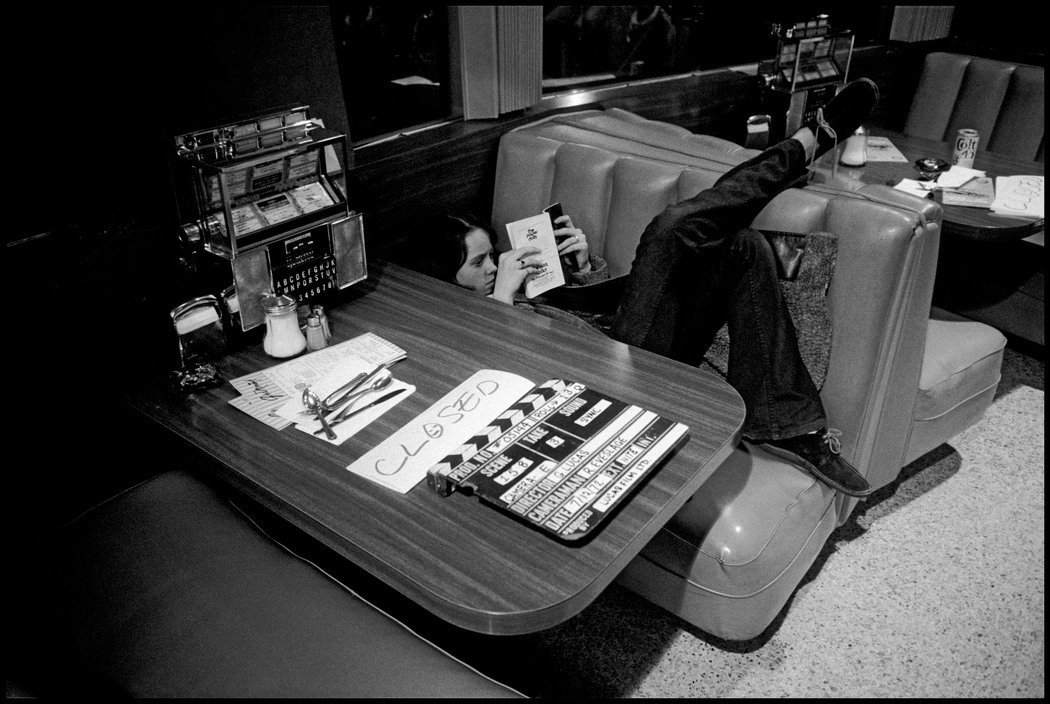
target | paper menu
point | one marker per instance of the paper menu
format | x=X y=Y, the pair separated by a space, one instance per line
x=264 y=392
x=537 y=231
x=1019 y=195
x=882 y=149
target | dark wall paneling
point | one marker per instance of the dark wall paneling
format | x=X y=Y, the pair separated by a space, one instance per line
x=715 y=103
x=401 y=183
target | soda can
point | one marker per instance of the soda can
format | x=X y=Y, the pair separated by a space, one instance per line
x=965 y=148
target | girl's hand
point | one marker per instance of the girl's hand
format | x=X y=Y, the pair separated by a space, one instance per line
x=574 y=244
x=514 y=267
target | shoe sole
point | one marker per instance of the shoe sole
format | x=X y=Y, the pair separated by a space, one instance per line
x=809 y=467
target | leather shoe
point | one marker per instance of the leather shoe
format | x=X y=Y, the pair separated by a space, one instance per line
x=843 y=114
x=818 y=454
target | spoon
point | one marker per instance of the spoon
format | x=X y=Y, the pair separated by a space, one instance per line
x=313 y=402
x=329 y=406
x=378 y=384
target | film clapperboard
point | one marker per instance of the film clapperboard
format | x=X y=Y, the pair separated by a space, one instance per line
x=562 y=457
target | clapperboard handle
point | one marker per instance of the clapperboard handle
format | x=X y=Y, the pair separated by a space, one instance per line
x=440 y=484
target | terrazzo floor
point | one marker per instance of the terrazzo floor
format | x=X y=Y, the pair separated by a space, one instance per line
x=933 y=588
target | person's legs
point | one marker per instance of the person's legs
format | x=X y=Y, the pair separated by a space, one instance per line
x=734 y=281
x=698 y=265
x=765 y=365
x=654 y=313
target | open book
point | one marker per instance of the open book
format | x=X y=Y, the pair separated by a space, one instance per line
x=537 y=231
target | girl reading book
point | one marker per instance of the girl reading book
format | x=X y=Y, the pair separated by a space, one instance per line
x=463 y=251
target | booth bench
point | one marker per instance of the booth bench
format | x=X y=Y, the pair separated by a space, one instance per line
x=899 y=382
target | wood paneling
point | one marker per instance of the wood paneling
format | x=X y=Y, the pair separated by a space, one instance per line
x=401 y=183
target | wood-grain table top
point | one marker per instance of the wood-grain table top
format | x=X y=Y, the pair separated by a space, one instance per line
x=971 y=223
x=465 y=561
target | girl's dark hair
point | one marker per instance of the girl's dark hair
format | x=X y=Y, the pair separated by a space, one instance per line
x=444 y=248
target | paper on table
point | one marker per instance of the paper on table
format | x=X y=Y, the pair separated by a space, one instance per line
x=290 y=377
x=1019 y=195
x=957 y=176
x=538 y=232
x=882 y=149
x=414 y=81
x=976 y=193
x=402 y=460
x=322 y=387
x=263 y=407
x=264 y=392
x=920 y=189
x=348 y=428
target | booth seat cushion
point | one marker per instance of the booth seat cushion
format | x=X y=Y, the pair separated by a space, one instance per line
x=730 y=558
x=960 y=373
x=1004 y=101
x=166 y=591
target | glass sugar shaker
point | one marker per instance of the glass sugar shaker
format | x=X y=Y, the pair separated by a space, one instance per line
x=283 y=336
x=856 y=151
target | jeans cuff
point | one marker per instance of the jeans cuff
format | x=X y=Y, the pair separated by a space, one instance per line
x=760 y=435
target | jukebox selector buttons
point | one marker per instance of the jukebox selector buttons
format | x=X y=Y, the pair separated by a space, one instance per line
x=306 y=279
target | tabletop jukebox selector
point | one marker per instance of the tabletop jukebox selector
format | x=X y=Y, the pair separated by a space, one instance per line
x=264 y=209
x=811 y=64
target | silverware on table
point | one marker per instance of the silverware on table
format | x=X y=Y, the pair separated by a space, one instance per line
x=331 y=401
x=312 y=401
x=347 y=413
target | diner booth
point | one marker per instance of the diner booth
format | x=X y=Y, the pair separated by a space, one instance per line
x=230 y=205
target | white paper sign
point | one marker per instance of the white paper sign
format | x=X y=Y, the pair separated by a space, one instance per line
x=402 y=460
x=538 y=232
x=1019 y=195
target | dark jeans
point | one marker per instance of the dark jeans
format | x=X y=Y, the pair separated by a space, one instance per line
x=698 y=266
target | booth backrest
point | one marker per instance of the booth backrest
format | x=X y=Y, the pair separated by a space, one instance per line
x=879 y=299
x=612 y=171
x=1003 y=101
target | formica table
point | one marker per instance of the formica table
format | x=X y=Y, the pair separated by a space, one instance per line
x=959 y=221
x=468 y=563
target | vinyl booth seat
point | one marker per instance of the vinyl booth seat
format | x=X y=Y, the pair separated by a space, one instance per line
x=898 y=383
x=166 y=591
x=1004 y=101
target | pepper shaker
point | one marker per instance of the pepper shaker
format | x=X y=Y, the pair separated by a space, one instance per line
x=319 y=312
x=314 y=334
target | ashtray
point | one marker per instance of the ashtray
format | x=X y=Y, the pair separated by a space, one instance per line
x=929 y=167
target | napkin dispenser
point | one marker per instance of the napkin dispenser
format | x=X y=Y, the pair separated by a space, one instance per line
x=200 y=331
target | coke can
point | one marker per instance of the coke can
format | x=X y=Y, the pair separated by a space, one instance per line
x=965 y=148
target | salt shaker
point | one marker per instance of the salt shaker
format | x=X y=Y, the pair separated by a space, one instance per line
x=319 y=312
x=315 y=339
x=283 y=336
